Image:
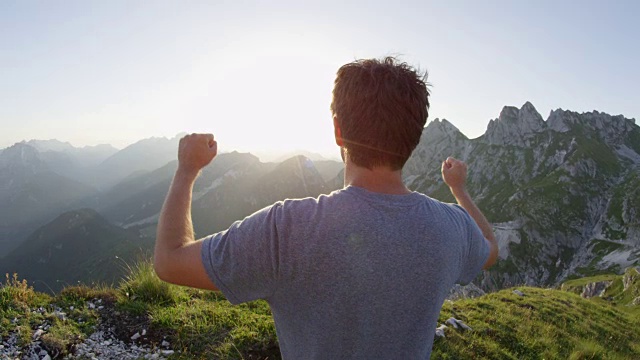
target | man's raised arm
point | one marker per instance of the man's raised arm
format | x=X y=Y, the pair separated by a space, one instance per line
x=454 y=173
x=177 y=255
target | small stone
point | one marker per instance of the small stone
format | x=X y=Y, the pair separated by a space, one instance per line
x=440 y=330
x=518 y=292
x=60 y=315
x=71 y=307
x=167 y=352
x=100 y=307
x=135 y=336
x=452 y=321
x=37 y=334
x=165 y=343
x=464 y=326
x=91 y=306
x=144 y=332
x=458 y=324
x=46 y=357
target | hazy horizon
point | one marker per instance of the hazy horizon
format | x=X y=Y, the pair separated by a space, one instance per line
x=259 y=76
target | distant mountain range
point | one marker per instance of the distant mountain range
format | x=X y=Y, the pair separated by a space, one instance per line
x=563 y=196
x=41 y=193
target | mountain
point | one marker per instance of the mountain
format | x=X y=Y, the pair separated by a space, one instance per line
x=233 y=186
x=77 y=246
x=72 y=162
x=144 y=155
x=329 y=169
x=563 y=194
x=31 y=193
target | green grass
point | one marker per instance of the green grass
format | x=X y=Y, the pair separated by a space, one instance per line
x=615 y=294
x=201 y=323
x=544 y=324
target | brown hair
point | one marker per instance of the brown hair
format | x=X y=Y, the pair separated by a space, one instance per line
x=381 y=106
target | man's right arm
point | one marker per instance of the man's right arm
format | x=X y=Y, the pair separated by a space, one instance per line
x=454 y=173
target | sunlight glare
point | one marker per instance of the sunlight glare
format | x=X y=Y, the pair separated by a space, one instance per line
x=272 y=93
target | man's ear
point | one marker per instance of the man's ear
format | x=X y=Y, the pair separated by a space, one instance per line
x=337 y=132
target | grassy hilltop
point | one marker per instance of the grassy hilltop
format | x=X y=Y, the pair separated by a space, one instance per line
x=542 y=324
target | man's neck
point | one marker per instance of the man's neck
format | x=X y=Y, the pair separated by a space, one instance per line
x=380 y=179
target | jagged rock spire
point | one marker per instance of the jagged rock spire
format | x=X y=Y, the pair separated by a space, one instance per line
x=440 y=128
x=514 y=126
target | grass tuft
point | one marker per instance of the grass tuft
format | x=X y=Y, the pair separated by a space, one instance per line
x=143 y=285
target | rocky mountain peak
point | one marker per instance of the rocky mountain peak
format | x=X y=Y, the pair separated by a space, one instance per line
x=440 y=129
x=21 y=155
x=50 y=145
x=508 y=114
x=515 y=126
x=613 y=129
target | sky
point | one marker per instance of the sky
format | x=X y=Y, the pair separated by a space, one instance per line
x=259 y=74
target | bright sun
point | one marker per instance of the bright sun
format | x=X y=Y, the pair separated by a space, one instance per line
x=268 y=96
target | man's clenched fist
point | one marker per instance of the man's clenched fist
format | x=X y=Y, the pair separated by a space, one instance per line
x=454 y=173
x=195 y=152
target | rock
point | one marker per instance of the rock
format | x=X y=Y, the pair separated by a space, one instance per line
x=167 y=352
x=595 y=289
x=144 y=332
x=451 y=321
x=60 y=315
x=469 y=291
x=165 y=343
x=628 y=278
x=440 y=330
x=518 y=292
x=91 y=305
x=457 y=324
x=515 y=126
x=135 y=336
x=37 y=334
x=46 y=357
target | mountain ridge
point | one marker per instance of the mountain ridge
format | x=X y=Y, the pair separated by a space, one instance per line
x=547 y=188
x=561 y=193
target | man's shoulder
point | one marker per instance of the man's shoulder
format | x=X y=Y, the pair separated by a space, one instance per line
x=306 y=204
x=451 y=210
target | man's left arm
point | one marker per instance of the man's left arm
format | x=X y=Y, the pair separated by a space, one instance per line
x=177 y=255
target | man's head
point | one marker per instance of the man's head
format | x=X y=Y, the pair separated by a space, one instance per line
x=379 y=108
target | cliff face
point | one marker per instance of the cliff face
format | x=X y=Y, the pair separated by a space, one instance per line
x=563 y=194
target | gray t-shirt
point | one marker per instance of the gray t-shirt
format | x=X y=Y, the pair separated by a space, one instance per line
x=350 y=275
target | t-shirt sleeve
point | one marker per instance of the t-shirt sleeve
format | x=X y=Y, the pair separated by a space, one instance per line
x=243 y=261
x=475 y=250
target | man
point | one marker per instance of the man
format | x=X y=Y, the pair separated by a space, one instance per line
x=361 y=273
